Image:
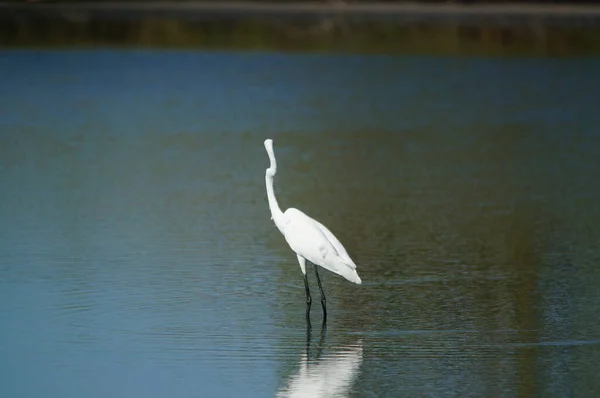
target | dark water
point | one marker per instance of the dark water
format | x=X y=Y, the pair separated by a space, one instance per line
x=137 y=257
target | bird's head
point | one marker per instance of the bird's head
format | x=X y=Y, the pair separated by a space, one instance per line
x=269 y=145
x=273 y=167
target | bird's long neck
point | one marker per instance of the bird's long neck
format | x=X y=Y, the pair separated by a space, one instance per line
x=276 y=213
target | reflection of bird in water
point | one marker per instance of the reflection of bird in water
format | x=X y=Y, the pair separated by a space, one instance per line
x=308 y=238
x=324 y=376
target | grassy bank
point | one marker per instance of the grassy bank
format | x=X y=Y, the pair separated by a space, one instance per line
x=429 y=30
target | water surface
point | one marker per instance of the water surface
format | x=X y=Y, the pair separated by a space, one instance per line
x=137 y=256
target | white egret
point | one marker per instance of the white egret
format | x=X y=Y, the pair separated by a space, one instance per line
x=308 y=238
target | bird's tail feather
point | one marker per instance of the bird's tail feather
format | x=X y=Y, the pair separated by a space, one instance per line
x=351 y=275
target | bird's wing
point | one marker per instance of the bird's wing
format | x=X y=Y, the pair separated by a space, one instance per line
x=305 y=237
x=337 y=245
x=310 y=238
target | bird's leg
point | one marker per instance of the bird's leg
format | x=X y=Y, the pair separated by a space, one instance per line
x=302 y=262
x=308 y=300
x=323 y=299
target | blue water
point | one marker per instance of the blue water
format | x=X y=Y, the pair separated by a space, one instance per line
x=137 y=256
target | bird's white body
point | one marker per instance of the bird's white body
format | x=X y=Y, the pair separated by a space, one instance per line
x=311 y=240
x=308 y=238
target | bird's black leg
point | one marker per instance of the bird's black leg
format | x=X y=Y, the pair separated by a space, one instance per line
x=308 y=300
x=323 y=299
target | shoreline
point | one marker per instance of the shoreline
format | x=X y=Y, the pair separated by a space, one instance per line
x=369 y=28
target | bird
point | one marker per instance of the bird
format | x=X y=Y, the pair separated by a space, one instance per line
x=309 y=239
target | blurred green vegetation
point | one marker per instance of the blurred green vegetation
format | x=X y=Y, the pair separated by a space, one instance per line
x=321 y=32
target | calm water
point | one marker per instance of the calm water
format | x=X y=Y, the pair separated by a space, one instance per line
x=137 y=257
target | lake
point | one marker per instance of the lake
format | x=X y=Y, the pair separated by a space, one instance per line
x=138 y=258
